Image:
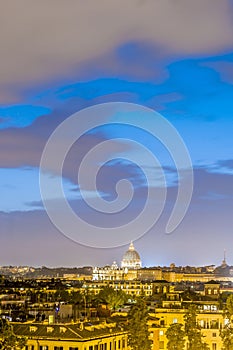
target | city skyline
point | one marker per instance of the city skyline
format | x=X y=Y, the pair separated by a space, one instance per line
x=174 y=58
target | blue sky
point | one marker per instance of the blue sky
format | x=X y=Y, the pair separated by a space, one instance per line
x=186 y=75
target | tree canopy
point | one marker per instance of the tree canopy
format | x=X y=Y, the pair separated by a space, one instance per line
x=138 y=337
x=193 y=330
x=227 y=332
x=114 y=298
x=175 y=336
x=8 y=340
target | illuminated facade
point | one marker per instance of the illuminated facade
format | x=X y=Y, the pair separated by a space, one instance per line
x=98 y=336
x=130 y=264
x=131 y=259
x=209 y=318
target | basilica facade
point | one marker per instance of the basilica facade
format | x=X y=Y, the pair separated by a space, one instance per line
x=130 y=264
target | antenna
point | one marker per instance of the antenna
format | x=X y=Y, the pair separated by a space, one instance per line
x=224 y=264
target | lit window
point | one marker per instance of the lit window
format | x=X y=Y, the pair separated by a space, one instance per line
x=161 y=332
x=50 y=329
x=202 y=323
x=32 y=329
x=174 y=320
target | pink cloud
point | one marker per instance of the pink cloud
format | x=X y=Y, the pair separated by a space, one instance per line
x=47 y=40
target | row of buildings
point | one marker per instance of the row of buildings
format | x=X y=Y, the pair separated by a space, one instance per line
x=131 y=269
x=166 y=306
x=58 y=325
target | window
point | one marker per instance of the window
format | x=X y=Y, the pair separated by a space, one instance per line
x=119 y=344
x=70 y=348
x=214 y=324
x=32 y=329
x=214 y=335
x=161 y=332
x=58 y=348
x=202 y=323
x=50 y=329
x=174 y=320
x=214 y=346
x=90 y=347
x=96 y=347
x=123 y=344
x=44 y=347
x=161 y=345
x=62 y=329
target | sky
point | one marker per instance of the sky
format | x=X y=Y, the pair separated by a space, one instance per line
x=163 y=62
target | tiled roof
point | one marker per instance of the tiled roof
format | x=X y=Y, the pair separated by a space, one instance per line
x=65 y=331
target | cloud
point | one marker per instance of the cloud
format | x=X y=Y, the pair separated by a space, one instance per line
x=48 y=40
x=224 y=68
x=222 y=167
x=20 y=115
x=36 y=240
x=20 y=190
x=215 y=196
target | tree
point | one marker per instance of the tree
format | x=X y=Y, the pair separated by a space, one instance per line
x=138 y=338
x=193 y=330
x=8 y=340
x=175 y=336
x=114 y=298
x=76 y=299
x=227 y=332
x=229 y=306
x=62 y=295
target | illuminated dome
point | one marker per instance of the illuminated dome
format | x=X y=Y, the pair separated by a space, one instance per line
x=131 y=259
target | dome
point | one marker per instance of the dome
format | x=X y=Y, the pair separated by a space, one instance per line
x=131 y=258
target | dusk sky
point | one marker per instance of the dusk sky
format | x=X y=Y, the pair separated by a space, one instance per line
x=59 y=57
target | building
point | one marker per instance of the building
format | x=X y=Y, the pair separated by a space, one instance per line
x=131 y=287
x=211 y=322
x=79 y=336
x=130 y=264
x=131 y=258
x=109 y=273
